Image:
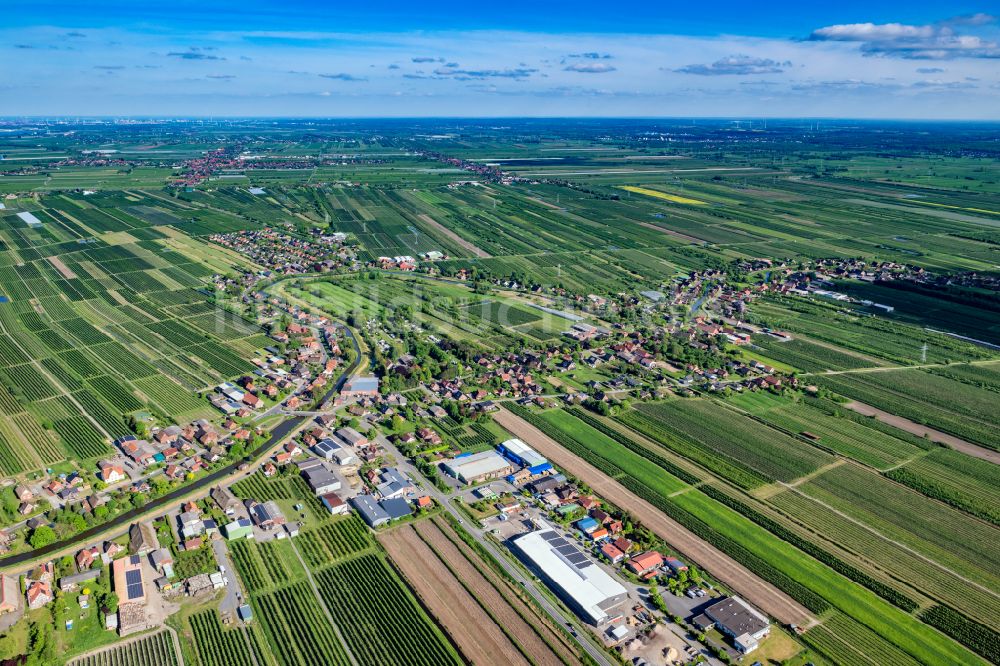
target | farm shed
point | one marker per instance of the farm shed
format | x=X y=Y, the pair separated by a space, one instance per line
x=370 y=511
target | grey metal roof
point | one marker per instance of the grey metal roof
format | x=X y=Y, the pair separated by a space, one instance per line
x=396 y=508
x=369 y=509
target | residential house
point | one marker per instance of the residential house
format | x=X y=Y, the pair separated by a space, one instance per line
x=645 y=563
x=38 y=593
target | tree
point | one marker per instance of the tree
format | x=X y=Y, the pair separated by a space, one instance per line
x=108 y=602
x=42 y=536
x=41 y=648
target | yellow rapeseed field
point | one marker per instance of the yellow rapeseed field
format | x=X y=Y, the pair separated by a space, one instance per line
x=663 y=195
x=941 y=205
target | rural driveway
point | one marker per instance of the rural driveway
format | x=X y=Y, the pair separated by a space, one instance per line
x=234 y=592
x=740 y=579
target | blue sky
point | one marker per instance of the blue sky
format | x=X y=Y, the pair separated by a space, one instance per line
x=295 y=58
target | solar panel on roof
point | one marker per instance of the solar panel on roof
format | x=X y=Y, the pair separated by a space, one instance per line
x=550 y=536
x=133 y=584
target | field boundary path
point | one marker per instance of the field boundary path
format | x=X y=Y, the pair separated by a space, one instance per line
x=729 y=571
x=174 y=641
x=461 y=242
x=919 y=430
x=322 y=603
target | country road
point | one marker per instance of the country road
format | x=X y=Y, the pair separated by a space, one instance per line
x=528 y=583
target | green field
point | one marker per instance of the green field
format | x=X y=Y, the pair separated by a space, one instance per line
x=956 y=407
x=351 y=572
x=771 y=454
x=864 y=442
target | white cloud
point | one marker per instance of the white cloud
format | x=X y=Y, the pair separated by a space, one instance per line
x=932 y=41
x=487 y=72
x=736 y=65
x=590 y=67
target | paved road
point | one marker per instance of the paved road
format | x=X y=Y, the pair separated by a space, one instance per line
x=278 y=434
x=564 y=618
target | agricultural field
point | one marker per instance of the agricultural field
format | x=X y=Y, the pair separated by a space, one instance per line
x=587 y=441
x=394 y=631
x=968 y=483
x=734 y=438
x=462 y=589
x=446 y=308
x=217 y=645
x=828 y=426
x=957 y=407
x=862 y=333
x=155 y=649
x=101 y=317
x=350 y=573
x=810 y=356
x=940 y=532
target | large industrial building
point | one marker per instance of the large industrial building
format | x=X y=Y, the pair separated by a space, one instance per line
x=478 y=467
x=525 y=456
x=589 y=589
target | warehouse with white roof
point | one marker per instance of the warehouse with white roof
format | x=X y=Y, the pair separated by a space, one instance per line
x=521 y=453
x=589 y=589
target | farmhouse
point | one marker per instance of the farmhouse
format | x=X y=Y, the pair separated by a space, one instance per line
x=267 y=515
x=321 y=480
x=142 y=539
x=522 y=454
x=738 y=620
x=478 y=467
x=644 y=563
x=238 y=529
x=225 y=501
x=334 y=504
x=111 y=473
x=329 y=449
x=396 y=507
x=72 y=581
x=576 y=578
x=352 y=437
x=39 y=593
x=127 y=574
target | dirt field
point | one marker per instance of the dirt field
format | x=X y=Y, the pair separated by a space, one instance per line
x=743 y=581
x=909 y=426
x=461 y=242
x=525 y=634
x=62 y=268
x=476 y=634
